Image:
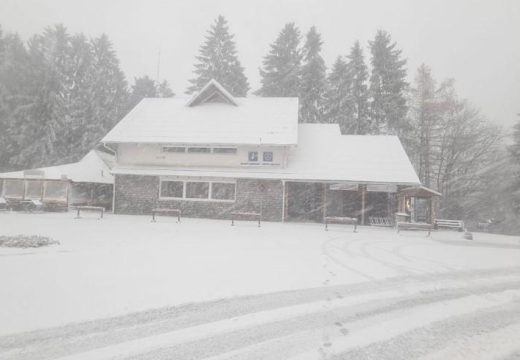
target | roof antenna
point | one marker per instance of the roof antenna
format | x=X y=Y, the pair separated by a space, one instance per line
x=158 y=66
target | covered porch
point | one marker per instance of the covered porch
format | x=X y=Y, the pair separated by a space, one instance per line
x=369 y=203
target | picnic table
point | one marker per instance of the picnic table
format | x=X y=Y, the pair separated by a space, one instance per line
x=99 y=209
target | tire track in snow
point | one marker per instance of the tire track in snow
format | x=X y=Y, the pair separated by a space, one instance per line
x=74 y=338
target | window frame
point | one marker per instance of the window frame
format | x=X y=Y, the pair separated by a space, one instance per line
x=169 y=149
x=171 y=197
x=233 y=151
x=223 y=182
x=210 y=190
x=189 y=150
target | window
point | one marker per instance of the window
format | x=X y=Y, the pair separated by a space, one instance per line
x=34 y=189
x=172 y=189
x=56 y=190
x=223 y=191
x=253 y=156
x=174 y=149
x=197 y=190
x=14 y=189
x=199 y=150
x=268 y=156
x=224 y=150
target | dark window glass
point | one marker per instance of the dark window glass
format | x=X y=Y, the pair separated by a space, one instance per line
x=223 y=191
x=174 y=149
x=224 y=150
x=253 y=156
x=199 y=150
x=171 y=189
x=197 y=190
x=268 y=156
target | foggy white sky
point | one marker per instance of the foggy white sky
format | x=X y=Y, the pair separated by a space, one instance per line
x=477 y=42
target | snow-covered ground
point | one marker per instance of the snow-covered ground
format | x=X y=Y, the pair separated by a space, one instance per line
x=200 y=289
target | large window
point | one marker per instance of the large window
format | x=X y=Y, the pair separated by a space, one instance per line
x=56 y=190
x=197 y=190
x=172 y=189
x=34 y=189
x=14 y=189
x=223 y=191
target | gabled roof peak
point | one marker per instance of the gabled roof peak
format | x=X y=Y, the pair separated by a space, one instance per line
x=212 y=92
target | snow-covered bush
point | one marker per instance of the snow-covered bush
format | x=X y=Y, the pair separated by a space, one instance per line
x=26 y=241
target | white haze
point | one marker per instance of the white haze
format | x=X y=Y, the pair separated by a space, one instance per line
x=473 y=41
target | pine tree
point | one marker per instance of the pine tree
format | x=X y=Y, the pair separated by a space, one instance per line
x=313 y=80
x=218 y=60
x=387 y=86
x=358 y=90
x=280 y=74
x=338 y=101
x=145 y=87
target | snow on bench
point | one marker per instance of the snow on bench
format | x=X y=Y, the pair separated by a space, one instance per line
x=99 y=209
x=235 y=215
x=156 y=211
x=414 y=226
x=340 y=220
x=452 y=224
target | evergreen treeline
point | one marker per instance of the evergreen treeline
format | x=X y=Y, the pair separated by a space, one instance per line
x=59 y=95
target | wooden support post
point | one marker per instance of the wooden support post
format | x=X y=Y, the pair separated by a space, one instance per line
x=324 y=210
x=284 y=201
x=363 y=203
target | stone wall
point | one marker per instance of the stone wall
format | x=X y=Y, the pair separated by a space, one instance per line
x=135 y=194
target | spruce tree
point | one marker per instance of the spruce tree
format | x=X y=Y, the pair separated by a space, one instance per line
x=338 y=100
x=218 y=60
x=313 y=80
x=145 y=87
x=387 y=86
x=280 y=73
x=358 y=90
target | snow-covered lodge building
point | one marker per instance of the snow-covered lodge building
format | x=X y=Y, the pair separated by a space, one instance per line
x=216 y=154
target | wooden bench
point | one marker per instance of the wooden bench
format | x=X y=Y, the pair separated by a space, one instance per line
x=380 y=221
x=176 y=212
x=235 y=215
x=340 y=220
x=99 y=209
x=451 y=224
x=414 y=226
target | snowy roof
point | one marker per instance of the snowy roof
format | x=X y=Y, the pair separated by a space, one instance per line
x=322 y=154
x=212 y=91
x=92 y=168
x=206 y=119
